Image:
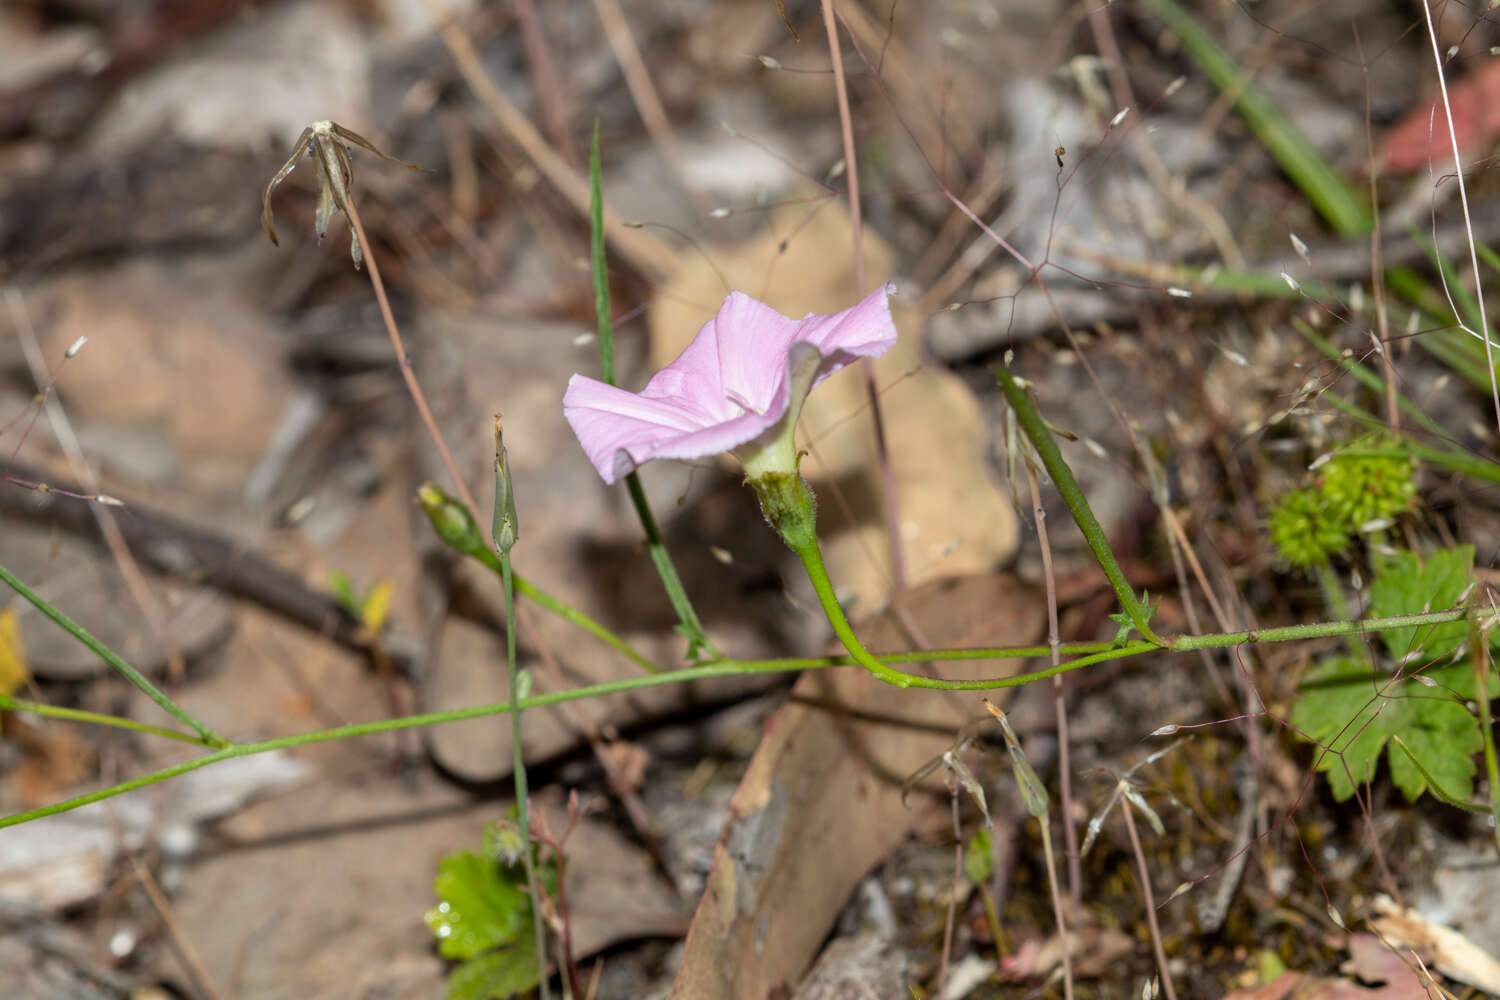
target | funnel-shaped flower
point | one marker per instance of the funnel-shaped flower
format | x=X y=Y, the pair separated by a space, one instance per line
x=738 y=387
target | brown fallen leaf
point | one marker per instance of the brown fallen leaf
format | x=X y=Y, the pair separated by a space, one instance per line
x=1446 y=950
x=1421 y=136
x=1382 y=974
x=821 y=803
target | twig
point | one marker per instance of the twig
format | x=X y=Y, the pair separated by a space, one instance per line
x=867 y=366
x=1463 y=199
x=948 y=918
x=1059 y=700
x=643 y=92
x=171 y=546
x=1150 y=902
x=545 y=837
x=408 y=376
x=649 y=256
x=549 y=92
x=109 y=527
x=180 y=940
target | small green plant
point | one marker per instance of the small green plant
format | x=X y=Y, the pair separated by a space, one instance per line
x=1352 y=492
x=484 y=916
x=1419 y=707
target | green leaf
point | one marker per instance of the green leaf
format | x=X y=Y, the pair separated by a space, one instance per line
x=484 y=905
x=1405 y=585
x=345 y=593
x=498 y=974
x=1353 y=712
x=979 y=864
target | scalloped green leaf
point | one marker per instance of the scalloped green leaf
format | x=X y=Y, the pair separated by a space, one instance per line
x=1407 y=585
x=1353 y=711
x=482 y=906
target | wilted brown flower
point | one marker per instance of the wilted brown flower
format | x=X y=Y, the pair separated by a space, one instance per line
x=321 y=141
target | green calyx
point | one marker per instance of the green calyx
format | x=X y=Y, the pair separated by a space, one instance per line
x=790 y=508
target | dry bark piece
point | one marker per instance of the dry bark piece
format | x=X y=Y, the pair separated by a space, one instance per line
x=822 y=801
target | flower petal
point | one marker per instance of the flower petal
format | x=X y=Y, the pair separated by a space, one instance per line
x=620 y=430
x=728 y=387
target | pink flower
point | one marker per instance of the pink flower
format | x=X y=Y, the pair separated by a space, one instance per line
x=738 y=387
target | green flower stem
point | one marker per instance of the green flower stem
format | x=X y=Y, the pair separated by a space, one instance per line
x=812 y=562
x=601 y=272
x=788 y=504
x=10 y=704
x=1031 y=422
x=689 y=624
x=455 y=525
x=518 y=767
x=730 y=668
x=131 y=674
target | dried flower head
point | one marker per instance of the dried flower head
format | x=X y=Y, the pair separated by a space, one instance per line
x=321 y=141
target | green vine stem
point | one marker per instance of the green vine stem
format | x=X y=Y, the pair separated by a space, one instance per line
x=104 y=653
x=728 y=668
x=1030 y=419
x=9 y=704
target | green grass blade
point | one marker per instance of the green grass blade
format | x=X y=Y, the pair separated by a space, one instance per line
x=1335 y=199
x=108 y=655
x=1035 y=427
x=689 y=624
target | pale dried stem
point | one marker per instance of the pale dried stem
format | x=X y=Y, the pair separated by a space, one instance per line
x=549 y=92
x=84 y=472
x=867 y=366
x=1059 y=700
x=1463 y=198
x=1210 y=218
x=1057 y=908
x=643 y=93
x=644 y=252
x=1377 y=263
x=952 y=913
x=412 y=385
x=180 y=941
x=635 y=811
x=1150 y=900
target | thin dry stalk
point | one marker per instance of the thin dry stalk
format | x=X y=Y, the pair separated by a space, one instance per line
x=643 y=92
x=951 y=915
x=1463 y=199
x=549 y=92
x=851 y=165
x=635 y=810
x=84 y=472
x=185 y=949
x=1057 y=908
x=644 y=252
x=407 y=375
x=1377 y=264
x=1150 y=901
x=1059 y=701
